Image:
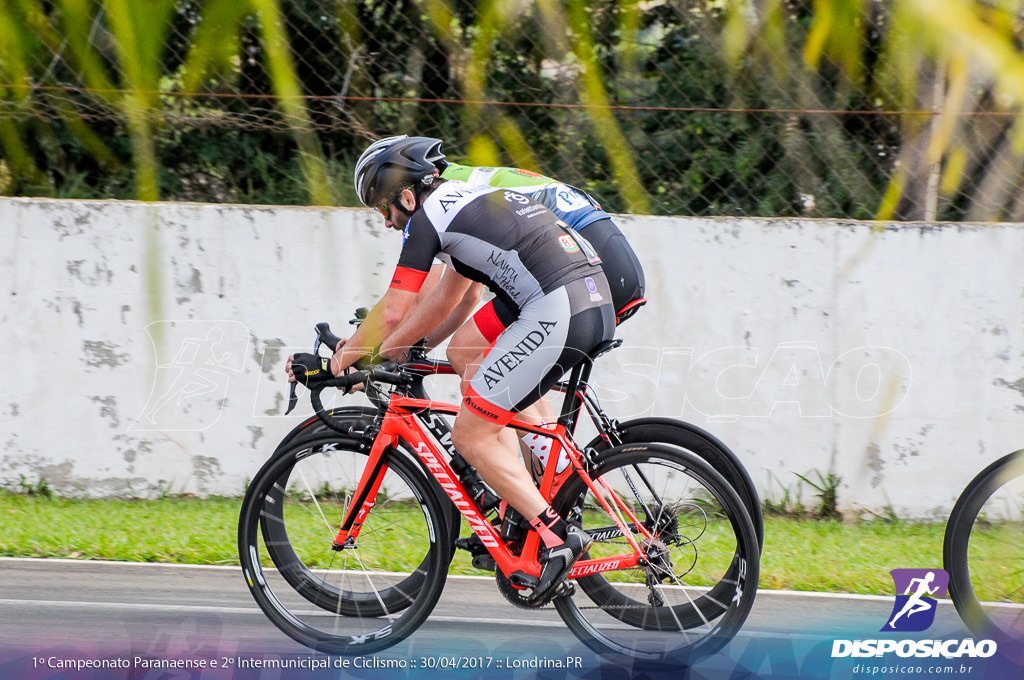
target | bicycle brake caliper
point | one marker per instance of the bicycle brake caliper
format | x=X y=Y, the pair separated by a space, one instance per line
x=347 y=539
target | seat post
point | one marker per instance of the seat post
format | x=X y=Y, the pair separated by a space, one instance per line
x=578 y=377
x=573 y=399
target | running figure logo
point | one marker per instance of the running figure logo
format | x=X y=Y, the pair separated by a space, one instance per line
x=917 y=591
x=195 y=363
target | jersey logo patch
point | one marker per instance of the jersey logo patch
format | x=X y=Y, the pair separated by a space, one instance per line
x=513 y=197
x=451 y=200
x=568 y=243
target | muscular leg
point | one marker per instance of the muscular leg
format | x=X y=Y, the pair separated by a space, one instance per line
x=479 y=442
x=492 y=397
x=465 y=351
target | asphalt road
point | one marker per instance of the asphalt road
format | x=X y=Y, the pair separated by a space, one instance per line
x=53 y=611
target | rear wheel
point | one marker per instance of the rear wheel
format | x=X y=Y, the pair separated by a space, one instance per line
x=700 y=577
x=342 y=601
x=983 y=552
x=702 y=444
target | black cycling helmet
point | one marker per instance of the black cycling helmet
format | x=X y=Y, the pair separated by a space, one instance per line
x=394 y=163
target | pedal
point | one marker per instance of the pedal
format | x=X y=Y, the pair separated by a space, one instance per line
x=485 y=562
x=520 y=579
x=471 y=544
x=565 y=589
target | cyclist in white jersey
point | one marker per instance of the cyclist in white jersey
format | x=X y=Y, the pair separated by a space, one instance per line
x=541 y=273
x=574 y=207
x=580 y=211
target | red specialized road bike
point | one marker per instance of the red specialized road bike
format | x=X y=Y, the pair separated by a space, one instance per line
x=347 y=531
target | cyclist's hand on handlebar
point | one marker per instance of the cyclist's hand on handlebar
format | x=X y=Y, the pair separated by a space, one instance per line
x=308 y=368
x=391 y=354
x=354 y=388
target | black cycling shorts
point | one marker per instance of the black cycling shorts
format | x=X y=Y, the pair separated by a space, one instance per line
x=621 y=265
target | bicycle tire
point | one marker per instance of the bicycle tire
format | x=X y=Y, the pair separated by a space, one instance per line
x=974 y=529
x=292 y=568
x=352 y=624
x=703 y=444
x=711 y=587
x=361 y=416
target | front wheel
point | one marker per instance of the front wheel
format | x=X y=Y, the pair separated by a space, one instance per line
x=342 y=601
x=343 y=459
x=699 y=577
x=983 y=551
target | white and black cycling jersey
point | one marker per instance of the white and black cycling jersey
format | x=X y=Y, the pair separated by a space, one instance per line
x=505 y=240
x=580 y=211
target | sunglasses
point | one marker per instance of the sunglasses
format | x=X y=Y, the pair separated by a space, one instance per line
x=385 y=207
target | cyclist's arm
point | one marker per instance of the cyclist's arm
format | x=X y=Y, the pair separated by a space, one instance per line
x=433 y=276
x=381 y=308
x=379 y=323
x=463 y=310
x=439 y=303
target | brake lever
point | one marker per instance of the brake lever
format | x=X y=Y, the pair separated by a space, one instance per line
x=327 y=337
x=323 y=336
x=361 y=315
x=293 y=399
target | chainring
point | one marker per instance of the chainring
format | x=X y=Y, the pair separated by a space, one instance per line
x=513 y=594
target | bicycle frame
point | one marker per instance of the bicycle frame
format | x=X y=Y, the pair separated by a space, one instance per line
x=410 y=421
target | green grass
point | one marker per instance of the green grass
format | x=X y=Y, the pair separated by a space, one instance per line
x=997 y=571
x=799 y=554
x=845 y=557
x=182 y=530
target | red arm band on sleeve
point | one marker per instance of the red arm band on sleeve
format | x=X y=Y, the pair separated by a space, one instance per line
x=408 y=279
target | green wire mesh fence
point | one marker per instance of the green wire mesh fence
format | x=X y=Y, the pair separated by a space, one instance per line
x=677 y=107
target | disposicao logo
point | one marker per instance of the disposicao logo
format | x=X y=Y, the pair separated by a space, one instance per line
x=917 y=594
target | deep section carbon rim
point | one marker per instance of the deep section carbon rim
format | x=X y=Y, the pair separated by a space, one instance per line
x=347 y=601
x=983 y=552
x=700 y=577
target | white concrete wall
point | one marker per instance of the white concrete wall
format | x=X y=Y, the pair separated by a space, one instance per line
x=144 y=344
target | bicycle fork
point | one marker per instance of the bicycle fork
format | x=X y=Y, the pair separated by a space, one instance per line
x=366 y=494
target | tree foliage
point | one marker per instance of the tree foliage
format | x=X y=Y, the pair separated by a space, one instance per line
x=841 y=108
